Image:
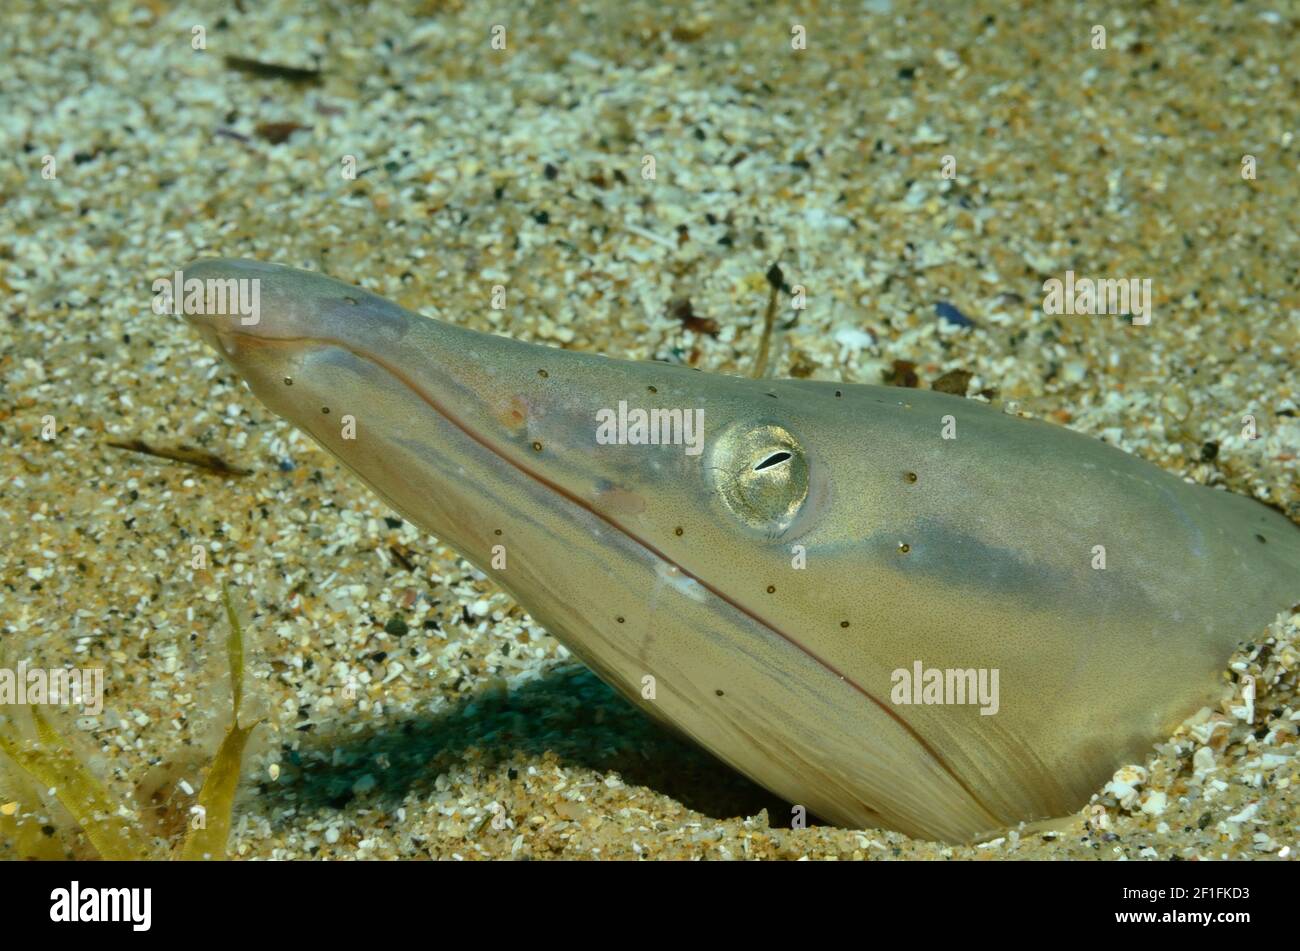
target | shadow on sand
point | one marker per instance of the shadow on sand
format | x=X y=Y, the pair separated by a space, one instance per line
x=568 y=712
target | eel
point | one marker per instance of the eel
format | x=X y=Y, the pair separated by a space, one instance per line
x=793 y=581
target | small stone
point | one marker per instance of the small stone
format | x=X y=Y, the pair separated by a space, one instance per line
x=955 y=382
x=1155 y=803
x=950 y=314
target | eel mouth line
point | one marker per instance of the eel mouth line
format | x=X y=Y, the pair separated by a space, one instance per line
x=582 y=504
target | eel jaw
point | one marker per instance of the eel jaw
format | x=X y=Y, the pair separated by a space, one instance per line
x=431 y=442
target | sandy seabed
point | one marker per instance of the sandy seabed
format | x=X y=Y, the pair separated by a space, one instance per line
x=467 y=731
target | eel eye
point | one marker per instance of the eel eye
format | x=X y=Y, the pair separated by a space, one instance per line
x=761 y=475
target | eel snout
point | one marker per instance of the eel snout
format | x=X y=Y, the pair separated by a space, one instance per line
x=239 y=306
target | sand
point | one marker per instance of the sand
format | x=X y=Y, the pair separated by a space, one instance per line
x=412 y=710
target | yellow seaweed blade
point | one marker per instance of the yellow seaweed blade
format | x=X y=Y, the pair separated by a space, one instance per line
x=234 y=650
x=17 y=797
x=207 y=841
x=113 y=835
